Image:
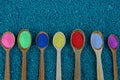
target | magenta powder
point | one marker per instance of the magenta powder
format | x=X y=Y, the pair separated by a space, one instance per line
x=8 y=40
x=113 y=41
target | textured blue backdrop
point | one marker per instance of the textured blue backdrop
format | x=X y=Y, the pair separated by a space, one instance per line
x=60 y=15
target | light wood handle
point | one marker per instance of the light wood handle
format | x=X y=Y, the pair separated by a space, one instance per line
x=24 y=66
x=7 y=66
x=58 y=66
x=41 y=70
x=99 y=68
x=115 y=65
x=77 y=74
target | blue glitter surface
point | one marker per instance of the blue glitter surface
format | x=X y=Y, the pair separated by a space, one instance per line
x=60 y=15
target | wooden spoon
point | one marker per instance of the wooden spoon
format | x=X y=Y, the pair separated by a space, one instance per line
x=113 y=45
x=42 y=41
x=59 y=42
x=97 y=45
x=77 y=43
x=24 y=42
x=7 y=41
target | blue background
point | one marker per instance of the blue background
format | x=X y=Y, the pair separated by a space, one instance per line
x=60 y=15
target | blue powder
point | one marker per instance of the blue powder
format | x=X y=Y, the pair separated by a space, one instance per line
x=42 y=40
x=96 y=41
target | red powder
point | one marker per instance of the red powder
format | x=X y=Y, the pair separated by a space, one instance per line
x=77 y=40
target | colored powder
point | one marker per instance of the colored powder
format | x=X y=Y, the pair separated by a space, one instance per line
x=113 y=41
x=96 y=41
x=25 y=39
x=77 y=40
x=8 y=40
x=42 y=40
x=59 y=40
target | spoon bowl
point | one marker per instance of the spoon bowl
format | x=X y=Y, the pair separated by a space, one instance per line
x=77 y=46
x=59 y=40
x=97 y=45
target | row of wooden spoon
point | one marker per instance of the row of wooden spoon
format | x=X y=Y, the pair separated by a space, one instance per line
x=77 y=39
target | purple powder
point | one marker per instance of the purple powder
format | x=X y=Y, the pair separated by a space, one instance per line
x=113 y=41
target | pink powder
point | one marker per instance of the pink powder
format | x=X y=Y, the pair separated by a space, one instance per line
x=113 y=41
x=8 y=40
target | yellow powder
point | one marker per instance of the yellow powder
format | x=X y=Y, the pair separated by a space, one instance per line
x=59 y=40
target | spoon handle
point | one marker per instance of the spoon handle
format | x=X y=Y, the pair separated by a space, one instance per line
x=7 y=66
x=99 y=68
x=77 y=73
x=24 y=65
x=58 y=65
x=41 y=71
x=115 y=65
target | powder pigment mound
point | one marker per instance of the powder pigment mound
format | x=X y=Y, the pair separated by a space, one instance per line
x=42 y=40
x=24 y=39
x=113 y=41
x=77 y=39
x=96 y=41
x=59 y=40
x=8 y=40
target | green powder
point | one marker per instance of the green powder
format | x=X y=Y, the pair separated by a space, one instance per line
x=25 y=39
